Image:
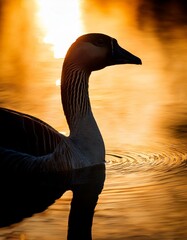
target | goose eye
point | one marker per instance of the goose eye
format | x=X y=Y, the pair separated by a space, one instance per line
x=99 y=42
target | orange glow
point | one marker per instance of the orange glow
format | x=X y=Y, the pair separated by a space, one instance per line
x=61 y=21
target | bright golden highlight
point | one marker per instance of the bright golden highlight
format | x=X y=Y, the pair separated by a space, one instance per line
x=62 y=23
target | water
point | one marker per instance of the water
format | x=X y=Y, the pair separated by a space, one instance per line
x=141 y=111
x=147 y=198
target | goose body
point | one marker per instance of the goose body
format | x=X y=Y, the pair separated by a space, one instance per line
x=34 y=155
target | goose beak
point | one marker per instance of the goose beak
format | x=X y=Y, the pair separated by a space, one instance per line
x=122 y=56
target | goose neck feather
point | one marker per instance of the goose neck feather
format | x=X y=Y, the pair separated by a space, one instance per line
x=74 y=94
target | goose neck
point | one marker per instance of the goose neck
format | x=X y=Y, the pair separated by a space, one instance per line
x=74 y=93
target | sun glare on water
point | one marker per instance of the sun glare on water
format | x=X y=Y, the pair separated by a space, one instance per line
x=61 y=21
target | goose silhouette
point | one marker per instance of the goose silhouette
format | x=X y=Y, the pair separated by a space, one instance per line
x=38 y=164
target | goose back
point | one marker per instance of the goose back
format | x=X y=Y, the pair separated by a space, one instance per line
x=26 y=134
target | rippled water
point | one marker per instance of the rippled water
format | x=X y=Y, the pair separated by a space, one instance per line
x=146 y=193
x=145 y=197
x=142 y=113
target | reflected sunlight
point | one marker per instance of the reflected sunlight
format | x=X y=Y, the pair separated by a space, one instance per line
x=57 y=82
x=62 y=24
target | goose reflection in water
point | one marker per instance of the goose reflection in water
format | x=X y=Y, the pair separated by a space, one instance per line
x=25 y=194
x=38 y=164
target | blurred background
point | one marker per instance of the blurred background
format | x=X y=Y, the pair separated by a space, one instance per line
x=136 y=105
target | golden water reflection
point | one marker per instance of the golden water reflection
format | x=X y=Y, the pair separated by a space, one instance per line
x=141 y=111
x=65 y=15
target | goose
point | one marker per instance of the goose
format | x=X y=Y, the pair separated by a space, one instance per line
x=38 y=164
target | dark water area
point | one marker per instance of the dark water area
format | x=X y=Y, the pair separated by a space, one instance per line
x=141 y=112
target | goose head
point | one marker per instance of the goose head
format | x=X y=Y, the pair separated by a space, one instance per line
x=95 y=51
